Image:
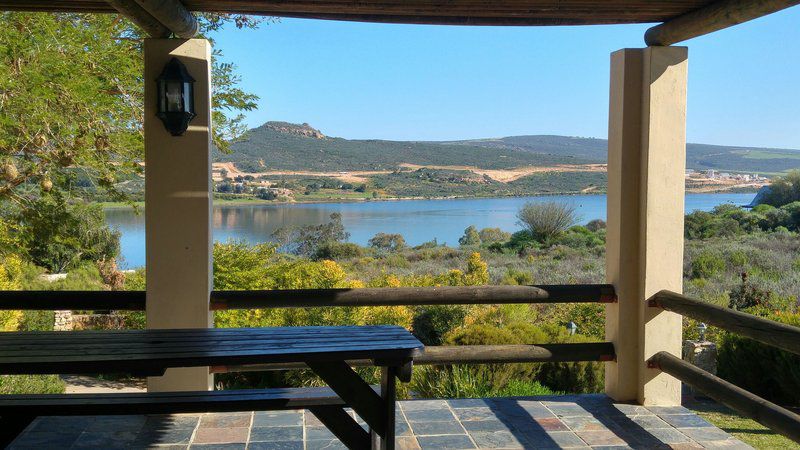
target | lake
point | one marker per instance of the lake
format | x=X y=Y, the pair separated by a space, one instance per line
x=417 y=220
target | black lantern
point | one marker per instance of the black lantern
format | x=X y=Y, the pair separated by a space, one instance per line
x=175 y=97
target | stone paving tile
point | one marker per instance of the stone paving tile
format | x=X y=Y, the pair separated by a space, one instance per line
x=151 y=436
x=485 y=425
x=727 y=444
x=319 y=434
x=660 y=410
x=279 y=418
x=105 y=439
x=497 y=439
x=285 y=445
x=276 y=434
x=225 y=420
x=407 y=443
x=604 y=437
x=469 y=403
x=567 y=409
x=45 y=439
x=66 y=424
x=685 y=421
x=705 y=434
x=551 y=424
x=413 y=405
x=429 y=415
x=434 y=428
x=176 y=422
x=229 y=435
x=584 y=424
x=555 y=439
x=325 y=445
x=218 y=446
x=452 y=442
x=482 y=413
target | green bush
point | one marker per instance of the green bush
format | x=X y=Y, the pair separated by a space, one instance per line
x=31 y=384
x=762 y=369
x=339 y=250
x=706 y=265
x=431 y=323
x=461 y=381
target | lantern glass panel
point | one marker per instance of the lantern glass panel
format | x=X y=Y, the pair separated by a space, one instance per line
x=174 y=96
x=188 y=100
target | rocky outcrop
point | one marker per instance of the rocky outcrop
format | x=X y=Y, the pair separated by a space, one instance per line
x=304 y=130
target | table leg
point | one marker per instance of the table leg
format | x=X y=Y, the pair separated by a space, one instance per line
x=389 y=396
x=11 y=427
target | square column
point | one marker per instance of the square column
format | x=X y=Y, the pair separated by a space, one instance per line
x=644 y=243
x=178 y=207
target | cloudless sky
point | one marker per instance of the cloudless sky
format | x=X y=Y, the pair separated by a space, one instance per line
x=421 y=82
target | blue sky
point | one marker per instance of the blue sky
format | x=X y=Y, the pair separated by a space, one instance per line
x=415 y=82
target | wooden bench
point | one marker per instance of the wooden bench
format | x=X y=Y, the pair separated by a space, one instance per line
x=324 y=350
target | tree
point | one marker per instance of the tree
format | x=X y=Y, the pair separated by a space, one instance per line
x=783 y=190
x=307 y=240
x=387 y=241
x=470 y=237
x=548 y=220
x=71 y=100
x=492 y=235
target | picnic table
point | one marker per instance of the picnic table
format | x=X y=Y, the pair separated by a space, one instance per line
x=324 y=350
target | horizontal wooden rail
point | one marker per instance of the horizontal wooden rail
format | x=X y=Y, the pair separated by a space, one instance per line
x=74 y=300
x=308 y=298
x=749 y=405
x=473 y=354
x=410 y=296
x=769 y=332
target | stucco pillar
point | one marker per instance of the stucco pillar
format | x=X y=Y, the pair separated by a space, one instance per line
x=178 y=207
x=646 y=170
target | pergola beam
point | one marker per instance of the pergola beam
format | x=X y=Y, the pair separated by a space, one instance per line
x=158 y=18
x=173 y=15
x=140 y=17
x=714 y=17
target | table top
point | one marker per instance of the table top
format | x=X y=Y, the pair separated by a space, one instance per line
x=150 y=352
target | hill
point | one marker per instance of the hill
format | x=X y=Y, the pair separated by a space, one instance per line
x=285 y=146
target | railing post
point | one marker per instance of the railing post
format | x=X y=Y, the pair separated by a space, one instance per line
x=646 y=171
x=178 y=207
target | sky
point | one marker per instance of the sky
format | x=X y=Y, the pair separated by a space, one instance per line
x=422 y=82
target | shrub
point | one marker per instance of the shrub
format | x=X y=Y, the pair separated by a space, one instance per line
x=431 y=323
x=470 y=237
x=477 y=271
x=596 y=225
x=493 y=235
x=737 y=259
x=706 y=264
x=546 y=220
x=388 y=242
x=31 y=384
x=762 y=369
x=339 y=250
x=747 y=295
x=517 y=277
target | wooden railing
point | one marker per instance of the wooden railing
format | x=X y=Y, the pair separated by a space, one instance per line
x=783 y=336
x=406 y=296
x=309 y=298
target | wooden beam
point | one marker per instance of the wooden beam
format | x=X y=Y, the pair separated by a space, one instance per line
x=766 y=331
x=714 y=17
x=745 y=403
x=173 y=15
x=472 y=354
x=140 y=17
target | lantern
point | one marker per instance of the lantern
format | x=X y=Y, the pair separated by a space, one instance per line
x=572 y=328
x=175 y=103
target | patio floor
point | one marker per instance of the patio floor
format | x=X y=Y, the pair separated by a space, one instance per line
x=579 y=421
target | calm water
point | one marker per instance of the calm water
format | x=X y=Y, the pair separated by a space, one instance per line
x=417 y=220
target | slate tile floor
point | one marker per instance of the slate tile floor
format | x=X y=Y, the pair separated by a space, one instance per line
x=580 y=421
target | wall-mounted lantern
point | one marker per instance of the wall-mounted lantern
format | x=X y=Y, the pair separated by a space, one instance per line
x=175 y=103
x=572 y=328
x=701 y=330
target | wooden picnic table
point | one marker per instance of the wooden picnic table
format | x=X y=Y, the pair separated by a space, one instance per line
x=324 y=350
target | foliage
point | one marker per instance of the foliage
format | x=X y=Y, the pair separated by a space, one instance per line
x=58 y=234
x=706 y=264
x=548 y=220
x=460 y=381
x=470 y=238
x=31 y=384
x=783 y=190
x=596 y=225
x=431 y=323
x=762 y=369
x=339 y=250
x=307 y=240
x=477 y=271
x=10 y=275
x=71 y=101
x=492 y=235
x=387 y=241
x=747 y=295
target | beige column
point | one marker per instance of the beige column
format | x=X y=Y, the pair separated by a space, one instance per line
x=178 y=207
x=646 y=170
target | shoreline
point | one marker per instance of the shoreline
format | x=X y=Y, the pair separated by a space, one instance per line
x=258 y=202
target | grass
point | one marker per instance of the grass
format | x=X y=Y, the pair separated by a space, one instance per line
x=748 y=431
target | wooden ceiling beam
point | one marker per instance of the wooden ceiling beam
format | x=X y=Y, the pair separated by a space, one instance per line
x=714 y=17
x=140 y=17
x=173 y=15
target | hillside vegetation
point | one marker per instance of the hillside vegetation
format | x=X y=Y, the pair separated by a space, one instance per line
x=285 y=146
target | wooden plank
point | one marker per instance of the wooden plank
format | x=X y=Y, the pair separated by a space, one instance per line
x=769 y=332
x=472 y=354
x=749 y=405
x=341 y=424
x=716 y=16
x=141 y=18
x=354 y=391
